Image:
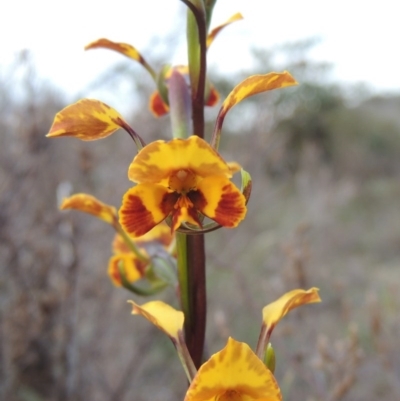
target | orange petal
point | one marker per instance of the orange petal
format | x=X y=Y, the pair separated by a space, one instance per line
x=256 y=84
x=131 y=265
x=234 y=167
x=163 y=316
x=157 y=105
x=157 y=161
x=211 y=36
x=89 y=204
x=184 y=213
x=123 y=48
x=87 y=120
x=213 y=97
x=218 y=198
x=276 y=310
x=249 y=87
x=144 y=206
x=234 y=373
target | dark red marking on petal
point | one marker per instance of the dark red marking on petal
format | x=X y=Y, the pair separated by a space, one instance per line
x=157 y=105
x=134 y=216
x=213 y=98
x=168 y=202
x=230 y=209
x=198 y=199
x=137 y=219
x=193 y=213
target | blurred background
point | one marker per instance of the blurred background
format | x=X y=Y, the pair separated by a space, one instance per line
x=324 y=212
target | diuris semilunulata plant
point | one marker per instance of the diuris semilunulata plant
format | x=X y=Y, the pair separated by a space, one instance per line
x=182 y=190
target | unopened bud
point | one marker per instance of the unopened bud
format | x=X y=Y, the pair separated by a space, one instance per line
x=269 y=358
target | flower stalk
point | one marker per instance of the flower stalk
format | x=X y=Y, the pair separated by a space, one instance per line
x=130 y=244
x=190 y=249
x=195 y=333
x=196 y=40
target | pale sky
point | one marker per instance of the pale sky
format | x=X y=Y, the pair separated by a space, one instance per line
x=361 y=38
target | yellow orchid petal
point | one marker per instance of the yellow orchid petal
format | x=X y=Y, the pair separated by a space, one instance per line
x=184 y=213
x=220 y=200
x=157 y=161
x=254 y=85
x=144 y=206
x=157 y=105
x=131 y=265
x=235 y=373
x=87 y=120
x=89 y=204
x=249 y=87
x=234 y=167
x=123 y=48
x=211 y=36
x=162 y=315
x=275 y=311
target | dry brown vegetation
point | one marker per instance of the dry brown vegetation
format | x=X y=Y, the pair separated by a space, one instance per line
x=324 y=212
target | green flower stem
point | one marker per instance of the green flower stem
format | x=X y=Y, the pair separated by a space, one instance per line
x=149 y=69
x=193 y=51
x=263 y=341
x=161 y=83
x=196 y=40
x=209 y=5
x=185 y=357
x=216 y=136
x=139 y=142
x=183 y=278
x=132 y=246
x=138 y=290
